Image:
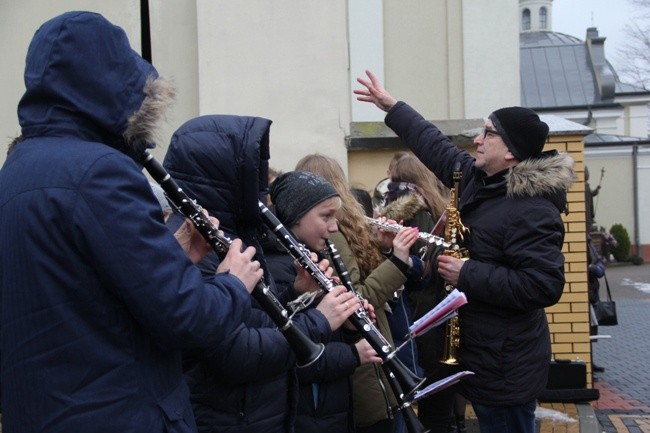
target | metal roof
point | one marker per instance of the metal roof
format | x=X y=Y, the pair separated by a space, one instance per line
x=593 y=140
x=556 y=73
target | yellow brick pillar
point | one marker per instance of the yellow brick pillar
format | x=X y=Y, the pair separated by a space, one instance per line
x=569 y=318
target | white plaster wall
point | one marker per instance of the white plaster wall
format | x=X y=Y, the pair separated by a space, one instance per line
x=491 y=56
x=416 y=39
x=286 y=60
x=366 y=32
x=643 y=196
x=296 y=61
x=635 y=121
x=614 y=203
x=452 y=59
x=174 y=46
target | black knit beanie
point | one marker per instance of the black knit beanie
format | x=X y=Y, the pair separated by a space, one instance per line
x=522 y=131
x=295 y=193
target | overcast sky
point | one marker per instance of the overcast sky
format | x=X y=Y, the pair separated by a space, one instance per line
x=573 y=17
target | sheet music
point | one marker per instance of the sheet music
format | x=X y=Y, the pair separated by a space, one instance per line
x=439 y=314
x=441 y=384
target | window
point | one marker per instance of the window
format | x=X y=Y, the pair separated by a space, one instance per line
x=542 y=18
x=525 y=19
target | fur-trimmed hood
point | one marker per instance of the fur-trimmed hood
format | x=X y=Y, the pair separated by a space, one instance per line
x=83 y=79
x=405 y=207
x=541 y=176
x=550 y=176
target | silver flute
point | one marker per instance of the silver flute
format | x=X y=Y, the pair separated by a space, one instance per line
x=428 y=238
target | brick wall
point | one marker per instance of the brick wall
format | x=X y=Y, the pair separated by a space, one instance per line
x=569 y=318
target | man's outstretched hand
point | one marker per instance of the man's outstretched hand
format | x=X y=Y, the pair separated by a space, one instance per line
x=374 y=93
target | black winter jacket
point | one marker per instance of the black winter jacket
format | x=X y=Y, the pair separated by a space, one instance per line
x=325 y=401
x=516 y=265
x=246 y=383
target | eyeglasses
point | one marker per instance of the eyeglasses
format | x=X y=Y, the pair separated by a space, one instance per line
x=485 y=131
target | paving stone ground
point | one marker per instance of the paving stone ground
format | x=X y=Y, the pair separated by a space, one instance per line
x=624 y=352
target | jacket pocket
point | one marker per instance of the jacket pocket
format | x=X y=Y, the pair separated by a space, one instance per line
x=177 y=411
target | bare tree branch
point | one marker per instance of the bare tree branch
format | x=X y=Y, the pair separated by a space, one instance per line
x=634 y=55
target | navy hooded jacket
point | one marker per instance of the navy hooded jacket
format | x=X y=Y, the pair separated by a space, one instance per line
x=97 y=299
x=247 y=382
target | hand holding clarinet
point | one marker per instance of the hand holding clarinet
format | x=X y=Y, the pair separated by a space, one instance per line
x=238 y=261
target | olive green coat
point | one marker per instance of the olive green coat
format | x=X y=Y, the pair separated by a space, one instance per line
x=368 y=397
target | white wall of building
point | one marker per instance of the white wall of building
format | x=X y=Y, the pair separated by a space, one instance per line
x=617 y=187
x=296 y=62
x=643 y=196
x=488 y=48
x=19 y=20
x=452 y=59
x=174 y=46
x=366 y=33
x=634 y=121
x=286 y=61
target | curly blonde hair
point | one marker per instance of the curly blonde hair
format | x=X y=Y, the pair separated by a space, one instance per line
x=351 y=216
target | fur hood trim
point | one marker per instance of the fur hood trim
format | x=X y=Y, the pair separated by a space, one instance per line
x=142 y=128
x=404 y=208
x=544 y=176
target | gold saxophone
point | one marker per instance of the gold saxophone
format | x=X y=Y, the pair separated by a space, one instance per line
x=454 y=231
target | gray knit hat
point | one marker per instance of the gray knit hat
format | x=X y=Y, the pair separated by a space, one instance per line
x=295 y=193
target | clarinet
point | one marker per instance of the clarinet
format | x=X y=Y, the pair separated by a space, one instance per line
x=306 y=351
x=408 y=381
x=413 y=424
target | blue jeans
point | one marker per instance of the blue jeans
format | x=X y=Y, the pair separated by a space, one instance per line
x=506 y=419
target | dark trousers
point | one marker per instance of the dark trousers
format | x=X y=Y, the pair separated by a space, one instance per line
x=506 y=419
x=385 y=426
x=435 y=411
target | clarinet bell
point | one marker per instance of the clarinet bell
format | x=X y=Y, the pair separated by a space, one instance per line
x=409 y=382
x=309 y=355
x=306 y=351
x=413 y=423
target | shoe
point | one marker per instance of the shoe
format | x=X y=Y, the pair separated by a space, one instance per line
x=597 y=368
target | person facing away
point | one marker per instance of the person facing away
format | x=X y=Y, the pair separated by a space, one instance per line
x=364 y=198
x=414 y=198
x=376 y=277
x=380 y=190
x=97 y=296
x=246 y=382
x=307 y=204
x=511 y=197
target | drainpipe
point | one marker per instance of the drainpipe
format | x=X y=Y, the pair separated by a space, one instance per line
x=145 y=31
x=635 y=197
